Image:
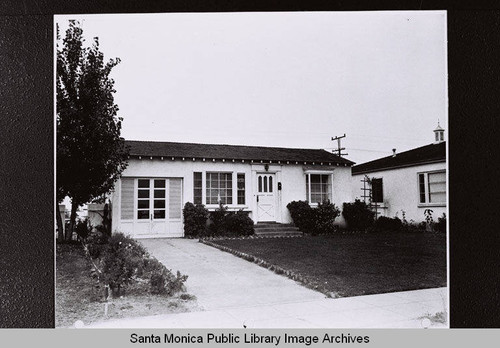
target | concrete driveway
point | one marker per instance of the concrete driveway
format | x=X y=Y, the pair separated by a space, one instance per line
x=235 y=293
x=222 y=280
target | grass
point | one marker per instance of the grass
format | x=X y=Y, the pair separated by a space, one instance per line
x=78 y=296
x=355 y=264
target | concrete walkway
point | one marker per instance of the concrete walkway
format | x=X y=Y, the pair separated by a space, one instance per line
x=235 y=293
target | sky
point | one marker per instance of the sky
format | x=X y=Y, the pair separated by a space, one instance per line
x=284 y=79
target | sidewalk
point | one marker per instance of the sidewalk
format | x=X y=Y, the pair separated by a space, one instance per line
x=394 y=310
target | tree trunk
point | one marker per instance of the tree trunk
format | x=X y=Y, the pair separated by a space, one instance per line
x=60 y=224
x=72 y=219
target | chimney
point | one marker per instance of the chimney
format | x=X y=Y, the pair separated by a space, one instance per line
x=393 y=152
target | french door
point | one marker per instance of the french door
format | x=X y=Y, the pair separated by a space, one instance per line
x=151 y=211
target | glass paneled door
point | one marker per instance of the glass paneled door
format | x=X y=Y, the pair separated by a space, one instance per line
x=266 y=197
x=151 y=206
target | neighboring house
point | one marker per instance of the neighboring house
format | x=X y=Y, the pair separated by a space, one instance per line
x=162 y=176
x=410 y=181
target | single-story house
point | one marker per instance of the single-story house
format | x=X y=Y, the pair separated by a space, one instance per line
x=162 y=176
x=410 y=181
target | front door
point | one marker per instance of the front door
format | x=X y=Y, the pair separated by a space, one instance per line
x=266 y=197
x=151 y=206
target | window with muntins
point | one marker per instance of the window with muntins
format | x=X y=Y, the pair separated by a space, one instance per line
x=432 y=187
x=197 y=187
x=219 y=188
x=241 y=188
x=318 y=188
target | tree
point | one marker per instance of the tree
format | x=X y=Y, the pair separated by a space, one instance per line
x=91 y=155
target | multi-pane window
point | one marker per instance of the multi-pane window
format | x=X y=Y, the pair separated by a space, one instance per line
x=143 y=199
x=318 y=188
x=377 y=190
x=241 y=188
x=265 y=183
x=432 y=187
x=219 y=188
x=198 y=188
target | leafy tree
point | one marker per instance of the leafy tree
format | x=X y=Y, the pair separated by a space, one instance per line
x=91 y=155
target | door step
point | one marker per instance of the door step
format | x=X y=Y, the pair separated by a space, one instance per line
x=276 y=230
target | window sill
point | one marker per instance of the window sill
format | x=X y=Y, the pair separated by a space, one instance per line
x=427 y=205
x=213 y=207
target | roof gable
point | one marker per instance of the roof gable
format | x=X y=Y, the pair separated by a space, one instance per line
x=230 y=152
x=422 y=155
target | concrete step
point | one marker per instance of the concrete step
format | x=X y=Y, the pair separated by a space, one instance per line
x=269 y=228
x=279 y=234
x=266 y=226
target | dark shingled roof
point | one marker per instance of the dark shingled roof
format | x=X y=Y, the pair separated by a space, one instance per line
x=230 y=152
x=426 y=154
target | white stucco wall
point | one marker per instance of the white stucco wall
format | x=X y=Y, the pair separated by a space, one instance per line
x=401 y=191
x=291 y=176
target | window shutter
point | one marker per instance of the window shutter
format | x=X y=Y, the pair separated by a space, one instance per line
x=127 y=199
x=175 y=198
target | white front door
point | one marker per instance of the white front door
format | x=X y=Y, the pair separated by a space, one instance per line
x=151 y=206
x=266 y=197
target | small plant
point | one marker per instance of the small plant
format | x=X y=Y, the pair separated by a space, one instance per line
x=217 y=218
x=195 y=219
x=358 y=215
x=429 y=220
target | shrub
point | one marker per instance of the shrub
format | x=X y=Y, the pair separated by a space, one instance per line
x=161 y=280
x=83 y=228
x=217 y=218
x=302 y=215
x=357 y=215
x=388 y=224
x=226 y=223
x=121 y=260
x=440 y=226
x=238 y=224
x=195 y=219
x=324 y=217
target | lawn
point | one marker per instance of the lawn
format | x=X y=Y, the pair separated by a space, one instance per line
x=79 y=298
x=356 y=264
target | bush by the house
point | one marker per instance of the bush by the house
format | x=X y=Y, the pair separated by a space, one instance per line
x=324 y=217
x=239 y=224
x=314 y=220
x=195 y=219
x=357 y=215
x=217 y=226
x=387 y=224
x=302 y=215
x=120 y=260
x=227 y=223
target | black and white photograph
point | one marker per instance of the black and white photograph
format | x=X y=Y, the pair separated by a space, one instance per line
x=251 y=170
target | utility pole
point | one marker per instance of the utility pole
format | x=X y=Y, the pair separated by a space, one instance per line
x=339 y=149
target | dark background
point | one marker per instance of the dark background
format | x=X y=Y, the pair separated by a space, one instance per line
x=27 y=147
